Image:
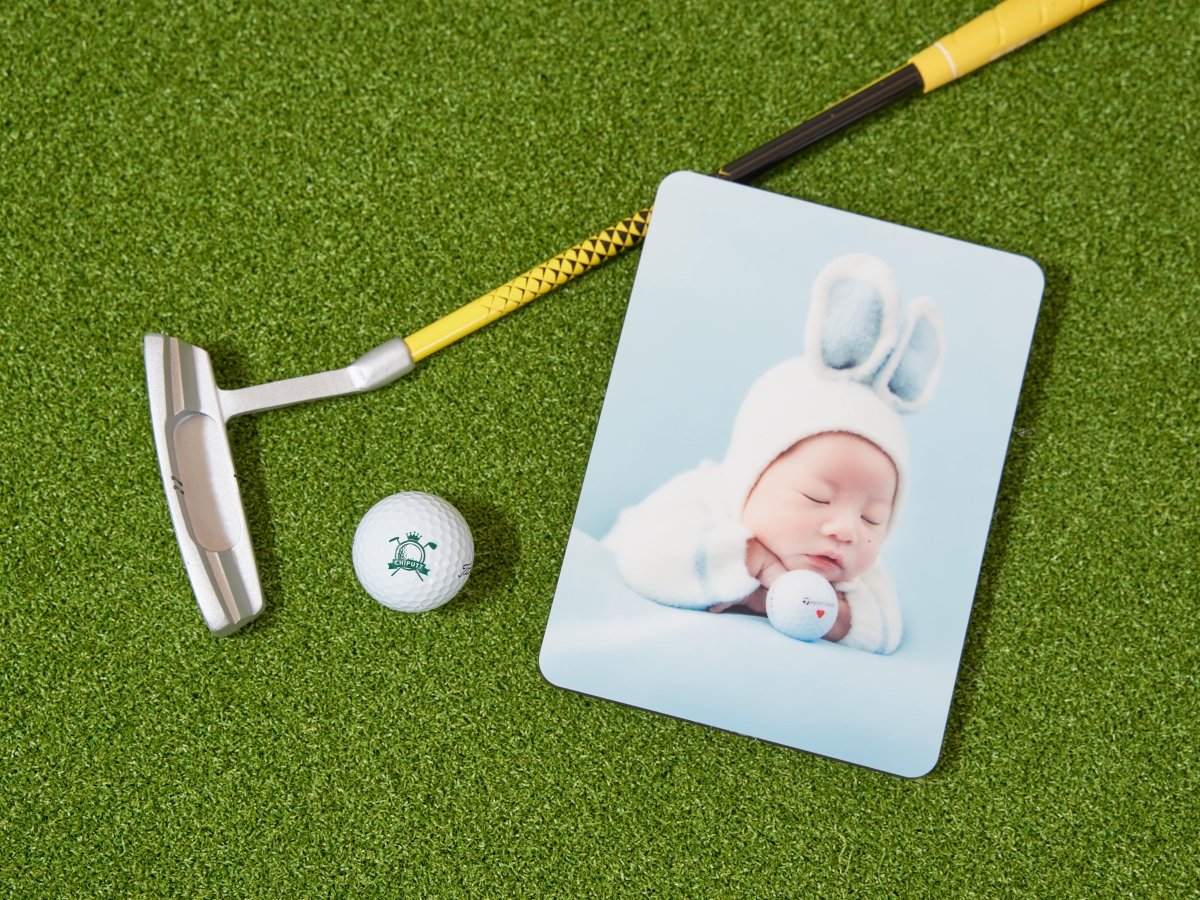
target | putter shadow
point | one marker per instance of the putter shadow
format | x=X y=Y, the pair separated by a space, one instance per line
x=1032 y=402
x=231 y=370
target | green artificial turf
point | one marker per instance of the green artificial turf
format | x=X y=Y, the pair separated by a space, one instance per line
x=289 y=184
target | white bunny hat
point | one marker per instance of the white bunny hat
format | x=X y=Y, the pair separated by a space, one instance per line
x=866 y=361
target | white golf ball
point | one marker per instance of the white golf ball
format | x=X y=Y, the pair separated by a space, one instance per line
x=802 y=605
x=413 y=551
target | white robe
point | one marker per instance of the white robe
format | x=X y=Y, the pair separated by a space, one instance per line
x=682 y=546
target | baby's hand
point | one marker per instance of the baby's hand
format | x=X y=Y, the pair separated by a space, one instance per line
x=764 y=566
x=762 y=563
x=842 y=624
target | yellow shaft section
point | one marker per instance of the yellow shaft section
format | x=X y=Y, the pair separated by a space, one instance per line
x=991 y=35
x=537 y=282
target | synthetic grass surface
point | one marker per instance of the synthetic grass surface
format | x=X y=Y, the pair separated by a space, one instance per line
x=288 y=185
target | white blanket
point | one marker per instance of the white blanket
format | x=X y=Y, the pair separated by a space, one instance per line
x=737 y=673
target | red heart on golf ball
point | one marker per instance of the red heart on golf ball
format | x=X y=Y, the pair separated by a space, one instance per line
x=820 y=613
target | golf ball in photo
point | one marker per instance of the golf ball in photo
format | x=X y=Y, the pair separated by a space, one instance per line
x=413 y=551
x=802 y=605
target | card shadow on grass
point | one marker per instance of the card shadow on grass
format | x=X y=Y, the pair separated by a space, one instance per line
x=1055 y=302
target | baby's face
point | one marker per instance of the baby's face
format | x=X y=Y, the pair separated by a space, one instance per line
x=824 y=505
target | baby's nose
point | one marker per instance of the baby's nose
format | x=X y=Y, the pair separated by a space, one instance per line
x=840 y=526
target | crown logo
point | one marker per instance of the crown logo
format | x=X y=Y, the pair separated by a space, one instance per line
x=410 y=555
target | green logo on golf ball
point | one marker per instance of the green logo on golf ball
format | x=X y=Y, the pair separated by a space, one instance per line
x=410 y=555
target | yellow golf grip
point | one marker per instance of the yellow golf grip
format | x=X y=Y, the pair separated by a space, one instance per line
x=537 y=282
x=1003 y=28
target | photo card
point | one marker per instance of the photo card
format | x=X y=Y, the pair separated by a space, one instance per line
x=787 y=502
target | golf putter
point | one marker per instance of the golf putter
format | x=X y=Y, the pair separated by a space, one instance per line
x=189 y=412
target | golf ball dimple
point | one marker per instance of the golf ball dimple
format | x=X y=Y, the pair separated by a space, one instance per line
x=413 y=551
x=802 y=605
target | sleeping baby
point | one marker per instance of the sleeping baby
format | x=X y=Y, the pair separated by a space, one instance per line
x=815 y=473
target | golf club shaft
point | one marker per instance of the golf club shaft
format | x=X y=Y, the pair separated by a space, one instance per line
x=985 y=38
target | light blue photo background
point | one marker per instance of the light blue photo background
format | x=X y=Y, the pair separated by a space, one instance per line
x=721 y=294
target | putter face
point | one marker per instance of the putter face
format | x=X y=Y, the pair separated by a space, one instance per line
x=200 y=483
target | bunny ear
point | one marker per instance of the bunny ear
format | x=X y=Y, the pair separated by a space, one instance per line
x=910 y=376
x=854 y=317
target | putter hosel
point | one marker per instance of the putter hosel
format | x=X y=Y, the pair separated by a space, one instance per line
x=373 y=369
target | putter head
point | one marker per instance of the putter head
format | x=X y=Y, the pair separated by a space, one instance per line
x=189 y=413
x=200 y=483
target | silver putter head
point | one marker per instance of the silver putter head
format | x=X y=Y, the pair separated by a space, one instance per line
x=188 y=413
x=201 y=484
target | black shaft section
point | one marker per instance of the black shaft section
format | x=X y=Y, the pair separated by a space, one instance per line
x=872 y=98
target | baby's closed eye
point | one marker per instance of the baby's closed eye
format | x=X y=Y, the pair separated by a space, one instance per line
x=876 y=513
